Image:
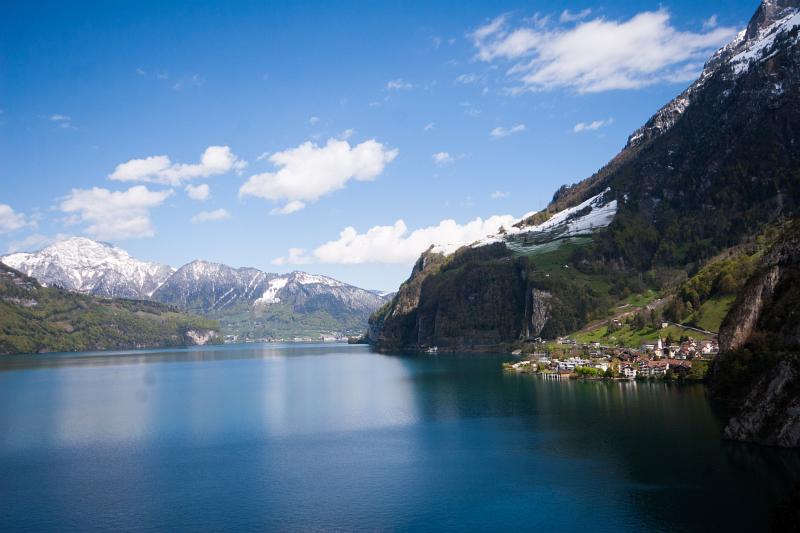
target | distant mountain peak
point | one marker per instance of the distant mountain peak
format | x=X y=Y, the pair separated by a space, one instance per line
x=768 y=13
x=84 y=265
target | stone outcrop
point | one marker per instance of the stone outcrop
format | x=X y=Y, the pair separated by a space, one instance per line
x=758 y=371
x=771 y=413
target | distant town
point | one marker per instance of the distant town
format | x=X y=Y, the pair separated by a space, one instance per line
x=686 y=358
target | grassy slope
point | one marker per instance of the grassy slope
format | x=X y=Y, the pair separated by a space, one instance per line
x=281 y=321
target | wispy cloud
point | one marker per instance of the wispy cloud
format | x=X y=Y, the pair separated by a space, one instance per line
x=35 y=241
x=62 y=121
x=595 y=125
x=710 y=23
x=192 y=80
x=500 y=132
x=398 y=84
x=442 y=158
x=469 y=78
x=568 y=16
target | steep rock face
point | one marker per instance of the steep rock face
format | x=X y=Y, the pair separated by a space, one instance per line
x=477 y=298
x=538 y=311
x=758 y=372
x=740 y=323
x=770 y=414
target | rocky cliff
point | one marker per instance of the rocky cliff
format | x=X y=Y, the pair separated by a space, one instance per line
x=758 y=371
x=476 y=298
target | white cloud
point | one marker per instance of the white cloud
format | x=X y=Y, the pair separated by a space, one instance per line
x=595 y=125
x=296 y=256
x=10 y=220
x=497 y=195
x=115 y=215
x=500 y=132
x=394 y=244
x=159 y=169
x=210 y=216
x=442 y=158
x=429 y=126
x=308 y=172
x=398 y=84
x=568 y=16
x=198 y=192
x=596 y=55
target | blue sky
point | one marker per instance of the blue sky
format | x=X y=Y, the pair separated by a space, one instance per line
x=383 y=117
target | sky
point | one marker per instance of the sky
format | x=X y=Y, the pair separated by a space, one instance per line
x=340 y=138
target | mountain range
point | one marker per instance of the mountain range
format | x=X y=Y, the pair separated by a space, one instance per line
x=699 y=207
x=249 y=303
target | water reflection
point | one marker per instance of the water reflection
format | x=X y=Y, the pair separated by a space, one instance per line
x=312 y=436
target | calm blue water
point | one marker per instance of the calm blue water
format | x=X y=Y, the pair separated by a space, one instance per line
x=334 y=437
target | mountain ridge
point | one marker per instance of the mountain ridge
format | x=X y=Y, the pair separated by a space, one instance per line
x=241 y=298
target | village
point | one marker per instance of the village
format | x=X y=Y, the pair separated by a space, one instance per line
x=685 y=359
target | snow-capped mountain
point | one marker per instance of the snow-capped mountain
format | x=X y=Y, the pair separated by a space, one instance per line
x=247 y=300
x=83 y=265
x=753 y=44
x=206 y=287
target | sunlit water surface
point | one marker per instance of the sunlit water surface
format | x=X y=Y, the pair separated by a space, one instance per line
x=256 y=437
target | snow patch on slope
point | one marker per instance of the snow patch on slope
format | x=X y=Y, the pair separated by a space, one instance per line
x=766 y=38
x=270 y=295
x=583 y=219
x=304 y=278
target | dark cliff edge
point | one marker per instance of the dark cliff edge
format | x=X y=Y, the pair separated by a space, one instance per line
x=758 y=372
x=476 y=299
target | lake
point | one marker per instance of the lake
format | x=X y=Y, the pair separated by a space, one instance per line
x=308 y=437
